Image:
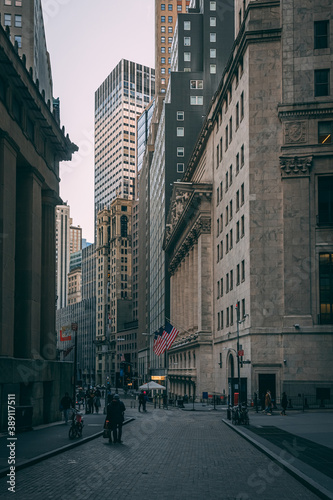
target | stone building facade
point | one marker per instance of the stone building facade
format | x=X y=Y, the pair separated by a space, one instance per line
x=266 y=151
x=31 y=147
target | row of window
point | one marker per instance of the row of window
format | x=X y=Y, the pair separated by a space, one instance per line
x=229 y=174
x=18 y=3
x=229 y=280
x=17 y=20
x=229 y=241
x=231 y=315
x=240 y=199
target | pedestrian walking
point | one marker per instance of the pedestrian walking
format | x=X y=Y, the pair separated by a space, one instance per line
x=90 y=400
x=284 y=403
x=268 y=403
x=97 y=400
x=115 y=416
x=141 y=401
x=65 y=405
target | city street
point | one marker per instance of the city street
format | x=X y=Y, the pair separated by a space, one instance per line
x=166 y=455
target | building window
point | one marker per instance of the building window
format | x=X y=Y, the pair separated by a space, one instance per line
x=322 y=82
x=163 y=6
x=212 y=37
x=170 y=29
x=180 y=131
x=242 y=106
x=242 y=156
x=231 y=280
x=170 y=41
x=212 y=21
x=162 y=39
x=162 y=19
x=8 y=20
x=243 y=270
x=326 y=288
x=170 y=19
x=162 y=29
x=242 y=194
x=196 y=84
x=123 y=226
x=242 y=226
x=180 y=151
x=325 y=130
x=187 y=41
x=196 y=100
x=187 y=56
x=162 y=71
x=325 y=200
x=179 y=8
x=8 y=2
x=212 y=69
x=187 y=25
x=18 y=39
x=180 y=116
x=18 y=21
x=170 y=6
x=212 y=5
x=238 y=275
x=237 y=163
x=162 y=60
x=163 y=81
x=180 y=168
x=237 y=200
x=230 y=129
x=227 y=323
x=231 y=315
x=230 y=175
x=237 y=115
x=226 y=137
x=163 y=50
x=213 y=53
x=321 y=31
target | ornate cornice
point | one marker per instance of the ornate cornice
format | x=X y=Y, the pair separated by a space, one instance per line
x=203 y=225
x=295 y=166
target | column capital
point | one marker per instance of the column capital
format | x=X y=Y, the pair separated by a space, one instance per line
x=50 y=197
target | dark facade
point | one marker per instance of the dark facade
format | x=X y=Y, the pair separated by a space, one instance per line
x=31 y=147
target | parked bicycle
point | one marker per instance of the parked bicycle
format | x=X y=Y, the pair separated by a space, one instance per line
x=76 y=425
x=240 y=415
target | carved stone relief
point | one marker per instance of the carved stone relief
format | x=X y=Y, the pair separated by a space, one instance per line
x=295 y=132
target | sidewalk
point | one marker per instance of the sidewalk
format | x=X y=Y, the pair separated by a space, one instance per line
x=301 y=442
x=48 y=440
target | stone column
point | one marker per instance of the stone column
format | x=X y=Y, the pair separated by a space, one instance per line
x=195 y=286
x=48 y=278
x=28 y=263
x=204 y=283
x=296 y=238
x=7 y=244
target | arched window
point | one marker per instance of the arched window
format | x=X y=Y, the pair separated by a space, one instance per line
x=123 y=226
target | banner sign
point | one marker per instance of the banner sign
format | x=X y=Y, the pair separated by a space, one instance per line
x=65 y=333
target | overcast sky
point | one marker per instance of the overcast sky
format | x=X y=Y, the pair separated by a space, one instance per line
x=86 y=40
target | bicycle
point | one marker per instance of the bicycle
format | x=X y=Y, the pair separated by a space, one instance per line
x=240 y=415
x=76 y=425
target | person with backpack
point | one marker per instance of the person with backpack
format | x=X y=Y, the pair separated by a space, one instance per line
x=115 y=415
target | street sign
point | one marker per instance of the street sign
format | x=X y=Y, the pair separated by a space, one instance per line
x=241 y=353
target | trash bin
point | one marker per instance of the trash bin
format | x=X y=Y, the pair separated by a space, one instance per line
x=23 y=418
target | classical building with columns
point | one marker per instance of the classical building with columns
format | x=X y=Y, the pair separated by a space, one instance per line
x=31 y=147
x=265 y=152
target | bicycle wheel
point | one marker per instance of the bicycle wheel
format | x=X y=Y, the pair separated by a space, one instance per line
x=72 y=433
x=79 y=430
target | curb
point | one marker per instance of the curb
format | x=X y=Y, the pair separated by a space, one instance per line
x=309 y=483
x=49 y=454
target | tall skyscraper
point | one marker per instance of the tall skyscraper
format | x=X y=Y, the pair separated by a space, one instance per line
x=166 y=13
x=201 y=47
x=119 y=101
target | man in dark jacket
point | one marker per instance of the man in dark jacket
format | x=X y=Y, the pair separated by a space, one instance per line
x=65 y=405
x=115 y=415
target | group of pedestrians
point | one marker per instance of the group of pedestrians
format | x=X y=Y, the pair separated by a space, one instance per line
x=269 y=404
x=93 y=400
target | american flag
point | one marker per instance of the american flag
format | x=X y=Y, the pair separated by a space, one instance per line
x=160 y=342
x=171 y=333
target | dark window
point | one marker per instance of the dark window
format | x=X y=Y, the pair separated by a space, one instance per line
x=322 y=82
x=326 y=288
x=325 y=130
x=325 y=200
x=321 y=34
x=123 y=226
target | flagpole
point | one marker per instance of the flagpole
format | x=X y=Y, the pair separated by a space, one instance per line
x=166 y=375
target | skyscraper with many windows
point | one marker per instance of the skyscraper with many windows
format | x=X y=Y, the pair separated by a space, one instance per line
x=119 y=101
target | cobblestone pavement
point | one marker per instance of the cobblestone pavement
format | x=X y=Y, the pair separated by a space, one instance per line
x=165 y=455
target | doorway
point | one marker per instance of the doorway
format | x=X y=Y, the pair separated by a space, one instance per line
x=267 y=381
